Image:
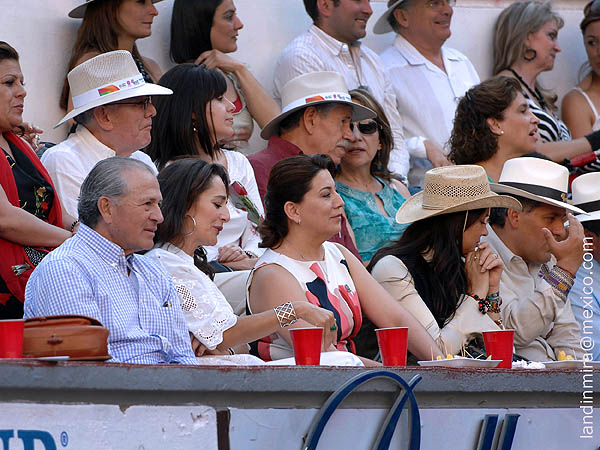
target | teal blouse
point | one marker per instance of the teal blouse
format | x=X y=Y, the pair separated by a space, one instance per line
x=372 y=229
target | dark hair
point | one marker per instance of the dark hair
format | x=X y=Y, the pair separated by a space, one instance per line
x=290 y=179
x=379 y=164
x=191 y=23
x=442 y=236
x=173 y=132
x=181 y=183
x=391 y=19
x=8 y=52
x=590 y=15
x=98 y=32
x=471 y=140
x=292 y=121
x=592 y=226
x=498 y=215
x=313 y=10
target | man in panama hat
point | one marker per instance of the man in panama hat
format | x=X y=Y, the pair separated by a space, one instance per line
x=113 y=110
x=540 y=258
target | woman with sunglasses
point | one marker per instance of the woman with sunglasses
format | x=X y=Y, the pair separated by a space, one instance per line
x=110 y=25
x=371 y=197
x=581 y=105
x=205 y=32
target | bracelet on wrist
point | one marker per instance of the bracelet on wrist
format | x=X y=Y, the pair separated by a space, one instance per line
x=73 y=225
x=286 y=314
x=495 y=301
x=484 y=303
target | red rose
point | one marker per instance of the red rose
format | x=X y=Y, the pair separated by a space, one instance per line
x=44 y=206
x=239 y=188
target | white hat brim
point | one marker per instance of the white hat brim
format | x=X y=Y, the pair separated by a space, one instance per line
x=382 y=25
x=79 y=11
x=359 y=113
x=412 y=210
x=503 y=189
x=145 y=89
x=588 y=217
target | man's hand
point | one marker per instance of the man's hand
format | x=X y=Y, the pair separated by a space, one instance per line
x=435 y=154
x=568 y=252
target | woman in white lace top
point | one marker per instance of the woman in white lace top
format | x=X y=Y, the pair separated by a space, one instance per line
x=194 y=208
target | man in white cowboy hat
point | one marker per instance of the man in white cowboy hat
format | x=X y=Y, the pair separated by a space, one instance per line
x=332 y=44
x=428 y=78
x=540 y=258
x=315 y=118
x=113 y=110
x=585 y=293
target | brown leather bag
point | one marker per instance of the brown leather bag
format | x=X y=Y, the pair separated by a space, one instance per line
x=78 y=337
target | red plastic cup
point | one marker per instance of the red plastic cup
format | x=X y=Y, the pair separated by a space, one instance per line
x=307 y=345
x=11 y=338
x=499 y=344
x=392 y=345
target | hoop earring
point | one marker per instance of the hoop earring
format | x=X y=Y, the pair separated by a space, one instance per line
x=532 y=52
x=193 y=221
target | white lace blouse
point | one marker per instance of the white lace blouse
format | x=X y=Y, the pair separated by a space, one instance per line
x=207 y=312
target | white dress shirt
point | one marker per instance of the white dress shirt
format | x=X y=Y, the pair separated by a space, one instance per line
x=316 y=51
x=70 y=162
x=426 y=95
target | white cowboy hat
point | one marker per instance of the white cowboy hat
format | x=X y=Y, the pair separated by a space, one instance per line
x=311 y=89
x=586 y=195
x=382 y=25
x=107 y=78
x=79 y=11
x=450 y=189
x=536 y=179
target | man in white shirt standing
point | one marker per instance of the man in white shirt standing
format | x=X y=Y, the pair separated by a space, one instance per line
x=113 y=110
x=428 y=78
x=331 y=44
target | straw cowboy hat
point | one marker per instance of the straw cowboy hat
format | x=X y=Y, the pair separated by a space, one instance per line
x=312 y=89
x=536 y=179
x=79 y=11
x=450 y=189
x=382 y=25
x=586 y=195
x=107 y=78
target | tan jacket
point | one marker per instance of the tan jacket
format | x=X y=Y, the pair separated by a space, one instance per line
x=467 y=322
x=543 y=323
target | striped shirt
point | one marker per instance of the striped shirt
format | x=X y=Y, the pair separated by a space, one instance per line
x=551 y=128
x=130 y=295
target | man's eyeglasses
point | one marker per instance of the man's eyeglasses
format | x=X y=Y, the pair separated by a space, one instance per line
x=146 y=101
x=436 y=5
x=366 y=127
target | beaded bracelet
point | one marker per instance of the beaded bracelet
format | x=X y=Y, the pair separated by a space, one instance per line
x=495 y=302
x=286 y=314
x=559 y=279
x=484 y=303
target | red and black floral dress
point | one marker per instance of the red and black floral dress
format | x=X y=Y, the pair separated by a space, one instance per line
x=36 y=196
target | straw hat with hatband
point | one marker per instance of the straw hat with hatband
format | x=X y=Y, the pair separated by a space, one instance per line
x=451 y=189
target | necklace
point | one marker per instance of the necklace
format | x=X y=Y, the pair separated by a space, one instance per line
x=302 y=256
x=536 y=93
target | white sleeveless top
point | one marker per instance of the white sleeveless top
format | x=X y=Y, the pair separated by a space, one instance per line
x=596 y=125
x=327 y=284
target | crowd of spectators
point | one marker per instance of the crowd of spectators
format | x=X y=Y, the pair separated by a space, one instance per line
x=394 y=189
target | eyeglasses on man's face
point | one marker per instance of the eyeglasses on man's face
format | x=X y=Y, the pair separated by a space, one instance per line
x=439 y=4
x=147 y=100
x=366 y=127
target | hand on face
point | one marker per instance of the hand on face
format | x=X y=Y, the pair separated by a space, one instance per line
x=568 y=252
x=478 y=278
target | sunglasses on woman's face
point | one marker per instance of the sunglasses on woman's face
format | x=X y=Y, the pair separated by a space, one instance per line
x=366 y=127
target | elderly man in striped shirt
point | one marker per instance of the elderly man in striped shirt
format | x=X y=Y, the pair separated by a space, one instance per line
x=96 y=272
